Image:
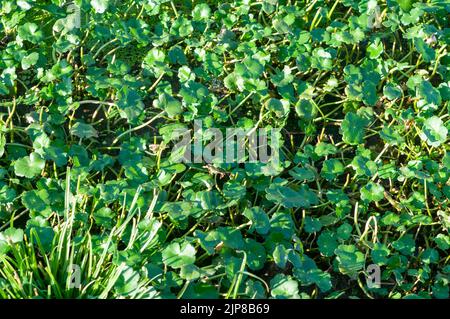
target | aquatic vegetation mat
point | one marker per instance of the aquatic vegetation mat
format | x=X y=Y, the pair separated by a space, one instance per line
x=97 y=200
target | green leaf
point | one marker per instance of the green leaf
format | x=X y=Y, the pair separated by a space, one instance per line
x=306 y=271
x=321 y=278
x=375 y=49
x=362 y=82
x=391 y=135
x=259 y=219
x=279 y=107
x=379 y=254
x=325 y=149
x=201 y=12
x=177 y=255
x=234 y=190
x=303 y=174
x=344 y=231
x=181 y=27
x=41 y=143
x=169 y=104
x=38 y=226
x=201 y=290
x=306 y=109
x=284 y=287
x=29 y=60
x=154 y=57
x=231 y=237
x=226 y=236
x=127 y=282
x=352 y=128
x=372 y=192
x=130 y=104
x=441 y=290
x=280 y=256
x=428 y=53
x=37 y=201
x=185 y=74
x=30 y=32
x=350 y=259
x=392 y=91
x=100 y=6
x=406 y=245
x=364 y=166
x=430 y=256
x=190 y=272
x=256 y=254
x=312 y=225
x=8 y=238
x=12 y=235
x=104 y=217
x=83 y=130
x=7 y=194
x=442 y=241
x=327 y=243
x=282 y=226
x=29 y=166
x=406 y=5
x=290 y=198
x=331 y=169
x=431 y=98
x=434 y=132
